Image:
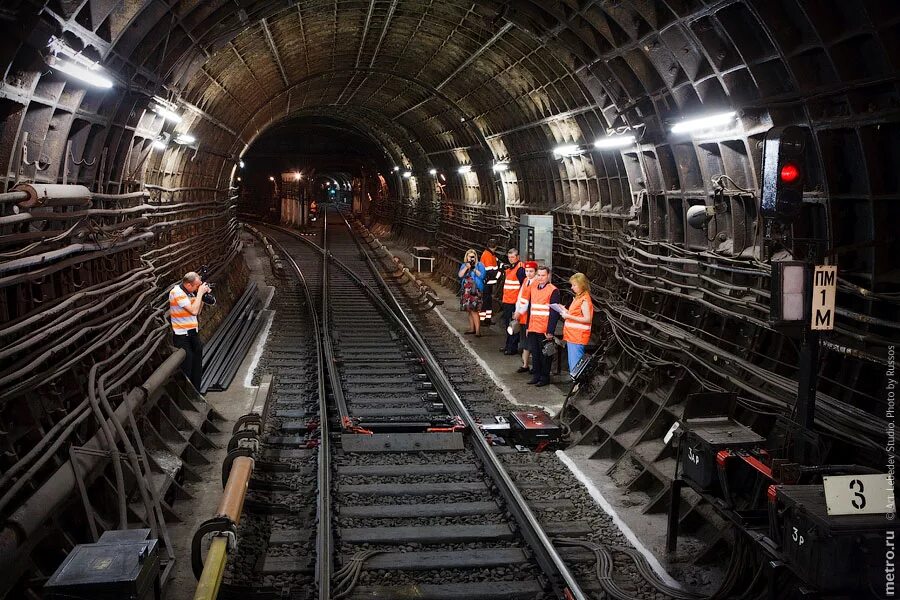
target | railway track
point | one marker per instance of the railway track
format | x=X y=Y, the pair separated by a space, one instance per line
x=373 y=479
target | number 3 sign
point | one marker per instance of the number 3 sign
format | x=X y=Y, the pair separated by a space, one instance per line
x=858 y=495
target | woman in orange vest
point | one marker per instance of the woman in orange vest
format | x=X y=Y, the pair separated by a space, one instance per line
x=579 y=316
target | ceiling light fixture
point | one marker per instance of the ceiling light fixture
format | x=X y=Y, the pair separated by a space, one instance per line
x=566 y=150
x=704 y=123
x=465 y=169
x=614 y=141
x=241 y=164
x=500 y=167
x=396 y=169
x=165 y=113
x=159 y=144
x=76 y=64
x=185 y=138
x=407 y=174
x=432 y=171
x=91 y=74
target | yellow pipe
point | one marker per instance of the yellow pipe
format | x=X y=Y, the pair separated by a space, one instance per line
x=208 y=586
x=230 y=506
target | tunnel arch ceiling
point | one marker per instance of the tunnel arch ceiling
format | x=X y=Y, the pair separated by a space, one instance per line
x=480 y=82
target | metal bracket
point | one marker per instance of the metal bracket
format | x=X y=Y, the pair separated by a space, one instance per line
x=24 y=162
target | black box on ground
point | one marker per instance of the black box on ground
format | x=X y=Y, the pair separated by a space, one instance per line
x=834 y=553
x=707 y=429
x=534 y=428
x=121 y=565
x=703 y=439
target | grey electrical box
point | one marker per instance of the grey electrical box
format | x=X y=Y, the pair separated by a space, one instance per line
x=536 y=238
x=120 y=565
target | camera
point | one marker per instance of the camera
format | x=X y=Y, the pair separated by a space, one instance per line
x=208 y=297
x=472 y=261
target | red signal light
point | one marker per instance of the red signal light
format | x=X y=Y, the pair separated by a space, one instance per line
x=789 y=173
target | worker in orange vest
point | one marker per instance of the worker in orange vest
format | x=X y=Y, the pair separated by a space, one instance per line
x=521 y=314
x=513 y=276
x=542 y=320
x=489 y=260
x=579 y=316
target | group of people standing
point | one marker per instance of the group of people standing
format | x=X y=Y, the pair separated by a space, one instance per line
x=531 y=309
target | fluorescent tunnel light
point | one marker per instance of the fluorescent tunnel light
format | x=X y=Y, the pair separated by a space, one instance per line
x=465 y=169
x=91 y=75
x=566 y=150
x=165 y=113
x=702 y=123
x=185 y=138
x=500 y=167
x=407 y=174
x=614 y=141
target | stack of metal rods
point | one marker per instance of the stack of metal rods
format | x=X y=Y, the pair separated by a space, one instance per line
x=224 y=352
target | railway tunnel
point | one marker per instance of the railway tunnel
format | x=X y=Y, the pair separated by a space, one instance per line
x=724 y=173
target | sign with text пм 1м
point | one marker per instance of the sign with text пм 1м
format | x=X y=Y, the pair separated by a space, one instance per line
x=823 y=293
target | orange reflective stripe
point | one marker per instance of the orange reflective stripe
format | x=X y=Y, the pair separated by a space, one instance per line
x=511 y=284
x=578 y=333
x=180 y=317
x=488 y=259
x=522 y=303
x=540 y=308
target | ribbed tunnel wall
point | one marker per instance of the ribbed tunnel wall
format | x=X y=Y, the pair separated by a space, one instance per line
x=444 y=83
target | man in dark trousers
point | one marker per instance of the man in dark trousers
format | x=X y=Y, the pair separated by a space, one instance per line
x=513 y=276
x=541 y=325
x=185 y=303
x=491 y=272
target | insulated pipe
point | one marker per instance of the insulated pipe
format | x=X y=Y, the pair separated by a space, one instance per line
x=232 y=503
x=52 y=194
x=230 y=507
x=50 y=497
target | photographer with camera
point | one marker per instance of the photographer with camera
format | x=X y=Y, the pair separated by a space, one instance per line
x=471 y=279
x=186 y=300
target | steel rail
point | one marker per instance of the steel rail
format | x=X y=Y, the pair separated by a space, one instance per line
x=337 y=390
x=324 y=538
x=563 y=581
x=210 y=581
